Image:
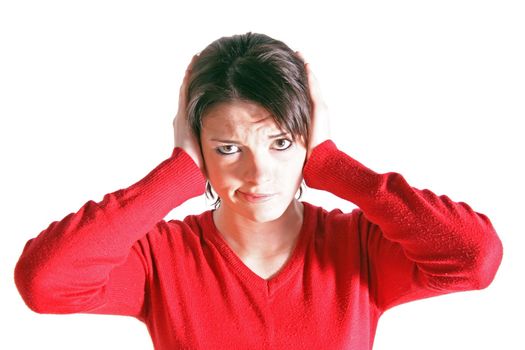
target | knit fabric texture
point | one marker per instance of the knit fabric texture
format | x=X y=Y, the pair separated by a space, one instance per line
x=120 y=256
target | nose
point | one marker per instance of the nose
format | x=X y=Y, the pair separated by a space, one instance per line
x=258 y=168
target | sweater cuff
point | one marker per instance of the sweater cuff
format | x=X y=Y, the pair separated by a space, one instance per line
x=170 y=184
x=177 y=179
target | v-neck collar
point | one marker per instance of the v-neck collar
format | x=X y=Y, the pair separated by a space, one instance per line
x=272 y=284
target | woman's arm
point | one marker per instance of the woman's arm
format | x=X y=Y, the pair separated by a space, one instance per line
x=85 y=262
x=418 y=244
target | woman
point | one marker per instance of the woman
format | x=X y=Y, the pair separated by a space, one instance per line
x=262 y=270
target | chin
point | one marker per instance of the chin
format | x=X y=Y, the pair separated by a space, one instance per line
x=266 y=212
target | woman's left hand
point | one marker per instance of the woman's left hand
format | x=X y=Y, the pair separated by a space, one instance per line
x=320 y=123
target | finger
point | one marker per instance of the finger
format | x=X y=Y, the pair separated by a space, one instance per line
x=193 y=60
x=316 y=94
x=306 y=65
x=185 y=80
x=312 y=82
x=301 y=56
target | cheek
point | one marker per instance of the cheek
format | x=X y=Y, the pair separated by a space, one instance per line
x=292 y=167
x=219 y=173
x=298 y=158
x=209 y=161
x=296 y=170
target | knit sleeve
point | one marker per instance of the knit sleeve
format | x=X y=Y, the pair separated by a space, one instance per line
x=88 y=261
x=416 y=244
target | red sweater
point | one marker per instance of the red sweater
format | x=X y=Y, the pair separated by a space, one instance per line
x=183 y=281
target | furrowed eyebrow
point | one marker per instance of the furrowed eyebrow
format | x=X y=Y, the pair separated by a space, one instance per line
x=234 y=141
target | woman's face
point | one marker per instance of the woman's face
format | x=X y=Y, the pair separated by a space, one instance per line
x=248 y=156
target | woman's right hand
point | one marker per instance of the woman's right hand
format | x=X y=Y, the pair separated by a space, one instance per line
x=184 y=137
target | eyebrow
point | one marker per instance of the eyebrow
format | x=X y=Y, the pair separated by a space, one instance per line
x=234 y=141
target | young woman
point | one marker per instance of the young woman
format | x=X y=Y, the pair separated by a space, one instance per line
x=262 y=270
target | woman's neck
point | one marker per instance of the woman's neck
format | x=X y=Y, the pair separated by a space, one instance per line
x=261 y=241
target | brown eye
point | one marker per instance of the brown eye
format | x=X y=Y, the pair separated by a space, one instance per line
x=227 y=149
x=283 y=144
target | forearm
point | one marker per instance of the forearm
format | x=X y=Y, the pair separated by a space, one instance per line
x=455 y=247
x=72 y=258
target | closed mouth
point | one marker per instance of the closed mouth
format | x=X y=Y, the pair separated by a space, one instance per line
x=256 y=196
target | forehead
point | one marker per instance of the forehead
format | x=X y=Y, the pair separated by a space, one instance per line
x=238 y=116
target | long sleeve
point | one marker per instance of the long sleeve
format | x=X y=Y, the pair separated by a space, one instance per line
x=87 y=262
x=414 y=243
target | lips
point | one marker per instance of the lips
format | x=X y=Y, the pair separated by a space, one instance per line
x=256 y=197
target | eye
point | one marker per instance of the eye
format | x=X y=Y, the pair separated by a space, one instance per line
x=283 y=144
x=227 y=149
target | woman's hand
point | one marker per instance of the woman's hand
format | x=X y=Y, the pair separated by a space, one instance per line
x=320 y=123
x=184 y=137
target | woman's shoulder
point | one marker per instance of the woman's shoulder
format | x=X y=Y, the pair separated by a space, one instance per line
x=333 y=220
x=324 y=214
x=336 y=232
x=191 y=227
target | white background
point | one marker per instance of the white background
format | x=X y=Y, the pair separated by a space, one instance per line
x=432 y=90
